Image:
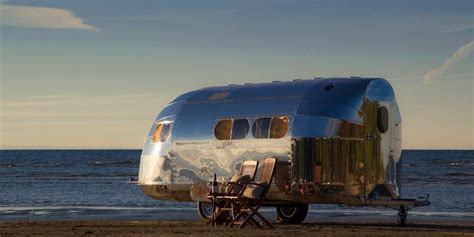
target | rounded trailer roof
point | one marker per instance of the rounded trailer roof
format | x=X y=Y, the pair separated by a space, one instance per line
x=333 y=98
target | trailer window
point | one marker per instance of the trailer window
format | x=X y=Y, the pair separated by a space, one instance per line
x=240 y=128
x=279 y=127
x=157 y=133
x=222 y=130
x=162 y=132
x=165 y=132
x=382 y=119
x=261 y=127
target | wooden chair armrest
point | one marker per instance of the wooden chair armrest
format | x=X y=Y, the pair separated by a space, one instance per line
x=258 y=184
x=209 y=195
x=231 y=197
x=245 y=187
x=237 y=183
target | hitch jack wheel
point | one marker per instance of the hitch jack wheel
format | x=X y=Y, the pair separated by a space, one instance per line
x=402 y=215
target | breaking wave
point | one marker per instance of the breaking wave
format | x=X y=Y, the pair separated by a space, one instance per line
x=461 y=174
x=115 y=163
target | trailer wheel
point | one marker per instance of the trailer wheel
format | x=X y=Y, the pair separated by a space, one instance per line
x=292 y=214
x=205 y=210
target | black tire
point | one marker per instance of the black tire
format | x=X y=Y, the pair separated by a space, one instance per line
x=205 y=210
x=292 y=214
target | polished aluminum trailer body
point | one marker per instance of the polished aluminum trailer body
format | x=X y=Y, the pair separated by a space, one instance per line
x=342 y=144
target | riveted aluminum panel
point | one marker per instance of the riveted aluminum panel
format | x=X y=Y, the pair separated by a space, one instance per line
x=332 y=124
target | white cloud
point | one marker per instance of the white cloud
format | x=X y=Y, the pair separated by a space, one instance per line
x=453 y=76
x=41 y=17
x=461 y=53
x=54 y=100
x=457 y=28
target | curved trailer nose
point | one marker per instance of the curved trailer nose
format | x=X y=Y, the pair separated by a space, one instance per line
x=155 y=167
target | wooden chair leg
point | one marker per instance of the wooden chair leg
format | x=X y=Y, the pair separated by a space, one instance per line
x=232 y=210
x=231 y=224
x=235 y=210
x=242 y=225
x=252 y=221
x=235 y=207
x=264 y=220
x=229 y=208
x=254 y=211
x=242 y=214
x=249 y=216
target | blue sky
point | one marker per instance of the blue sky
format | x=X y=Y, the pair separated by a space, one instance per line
x=100 y=77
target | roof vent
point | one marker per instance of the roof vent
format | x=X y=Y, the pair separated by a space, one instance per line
x=218 y=95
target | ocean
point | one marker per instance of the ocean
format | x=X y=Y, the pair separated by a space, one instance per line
x=92 y=184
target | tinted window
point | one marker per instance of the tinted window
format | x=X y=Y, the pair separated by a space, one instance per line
x=382 y=119
x=240 y=128
x=279 y=127
x=165 y=132
x=162 y=132
x=222 y=130
x=157 y=132
x=261 y=127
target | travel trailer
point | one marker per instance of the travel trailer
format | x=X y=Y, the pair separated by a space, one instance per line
x=337 y=140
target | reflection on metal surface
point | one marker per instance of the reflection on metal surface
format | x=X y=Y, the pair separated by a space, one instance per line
x=327 y=135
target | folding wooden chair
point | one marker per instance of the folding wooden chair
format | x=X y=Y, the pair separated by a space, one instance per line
x=251 y=198
x=238 y=181
x=223 y=209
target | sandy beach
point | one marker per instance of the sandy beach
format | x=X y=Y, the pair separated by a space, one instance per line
x=184 y=222
x=195 y=228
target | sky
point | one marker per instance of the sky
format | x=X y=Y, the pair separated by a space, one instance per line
x=95 y=73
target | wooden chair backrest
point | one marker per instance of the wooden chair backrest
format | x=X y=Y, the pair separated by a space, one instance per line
x=249 y=167
x=268 y=169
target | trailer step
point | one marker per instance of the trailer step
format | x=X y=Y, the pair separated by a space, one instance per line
x=398 y=202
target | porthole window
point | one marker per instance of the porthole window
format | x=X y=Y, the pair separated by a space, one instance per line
x=165 y=132
x=162 y=132
x=234 y=129
x=223 y=129
x=275 y=127
x=382 y=119
x=157 y=133
x=261 y=128
x=279 y=127
x=240 y=128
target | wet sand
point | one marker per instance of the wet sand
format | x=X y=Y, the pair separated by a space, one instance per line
x=195 y=228
x=184 y=222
